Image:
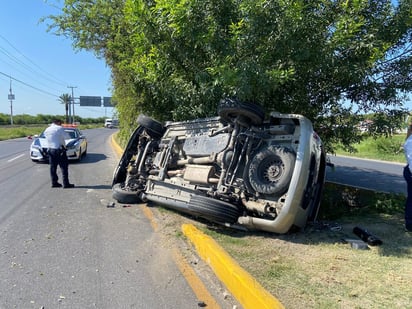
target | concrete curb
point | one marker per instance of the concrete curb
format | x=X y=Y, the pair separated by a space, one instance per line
x=247 y=291
x=116 y=146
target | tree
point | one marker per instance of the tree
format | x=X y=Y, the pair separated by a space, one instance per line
x=327 y=59
x=387 y=123
x=65 y=99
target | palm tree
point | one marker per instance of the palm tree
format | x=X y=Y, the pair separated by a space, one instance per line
x=65 y=99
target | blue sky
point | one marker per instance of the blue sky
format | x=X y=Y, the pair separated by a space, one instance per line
x=43 y=65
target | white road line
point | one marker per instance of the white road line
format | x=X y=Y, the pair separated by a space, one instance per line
x=15 y=158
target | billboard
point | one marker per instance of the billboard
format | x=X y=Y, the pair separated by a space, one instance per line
x=90 y=101
x=107 y=102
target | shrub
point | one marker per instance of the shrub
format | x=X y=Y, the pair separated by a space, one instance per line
x=339 y=201
x=389 y=145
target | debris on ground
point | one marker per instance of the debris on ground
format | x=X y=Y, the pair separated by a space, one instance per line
x=366 y=236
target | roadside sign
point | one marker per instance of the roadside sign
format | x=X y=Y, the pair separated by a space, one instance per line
x=107 y=102
x=90 y=101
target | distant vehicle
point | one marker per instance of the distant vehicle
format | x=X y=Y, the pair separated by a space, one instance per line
x=111 y=123
x=237 y=169
x=76 y=145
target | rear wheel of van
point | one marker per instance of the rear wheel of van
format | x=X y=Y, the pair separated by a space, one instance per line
x=154 y=128
x=248 y=113
x=124 y=196
x=213 y=210
x=270 y=170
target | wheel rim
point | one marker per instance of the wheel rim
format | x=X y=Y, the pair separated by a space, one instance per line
x=272 y=170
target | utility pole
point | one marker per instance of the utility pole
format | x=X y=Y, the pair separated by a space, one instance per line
x=72 y=100
x=11 y=98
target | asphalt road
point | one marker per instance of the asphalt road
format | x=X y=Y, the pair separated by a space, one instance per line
x=370 y=174
x=64 y=248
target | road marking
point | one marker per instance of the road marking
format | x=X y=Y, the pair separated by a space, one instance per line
x=186 y=270
x=149 y=214
x=245 y=288
x=15 y=158
x=195 y=282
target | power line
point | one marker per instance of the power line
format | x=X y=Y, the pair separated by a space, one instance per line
x=21 y=63
x=20 y=71
x=30 y=67
x=25 y=69
x=28 y=85
x=41 y=71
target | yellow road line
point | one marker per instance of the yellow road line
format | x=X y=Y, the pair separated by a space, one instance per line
x=195 y=283
x=241 y=284
x=188 y=273
x=116 y=146
x=149 y=214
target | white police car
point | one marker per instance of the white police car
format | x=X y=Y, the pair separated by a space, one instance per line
x=76 y=145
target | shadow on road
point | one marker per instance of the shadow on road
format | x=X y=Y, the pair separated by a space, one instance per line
x=94 y=187
x=91 y=158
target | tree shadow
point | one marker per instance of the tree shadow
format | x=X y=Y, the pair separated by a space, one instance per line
x=337 y=232
x=390 y=229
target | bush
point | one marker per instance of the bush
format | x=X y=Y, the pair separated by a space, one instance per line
x=339 y=201
x=389 y=145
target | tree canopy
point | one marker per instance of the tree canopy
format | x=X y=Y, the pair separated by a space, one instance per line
x=329 y=60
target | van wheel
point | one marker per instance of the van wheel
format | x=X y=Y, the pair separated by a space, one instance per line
x=231 y=109
x=124 y=196
x=270 y=171
x=213 y=210
x=154 y=128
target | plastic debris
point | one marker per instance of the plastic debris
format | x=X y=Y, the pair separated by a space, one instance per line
x=366 y=236
x=357 y=244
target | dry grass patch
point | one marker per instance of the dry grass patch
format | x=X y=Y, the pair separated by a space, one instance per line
x=315 y=268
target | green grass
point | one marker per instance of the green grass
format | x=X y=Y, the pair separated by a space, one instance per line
x=381 y=148
x=316 y=268
x=342 y=201
x=9 y=132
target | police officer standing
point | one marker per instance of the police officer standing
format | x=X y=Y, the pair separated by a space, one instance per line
x=55 y=136
x=407 y=174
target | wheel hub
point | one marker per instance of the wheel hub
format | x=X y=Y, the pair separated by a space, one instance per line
x=273 y=172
